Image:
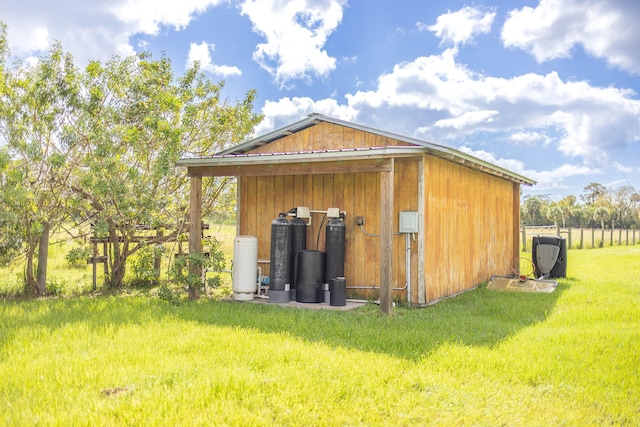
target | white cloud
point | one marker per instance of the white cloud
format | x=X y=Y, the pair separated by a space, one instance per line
x=462 y=26
x=606 y=29
x=438 y=99
x=625 y=169
x=287 y=110
x=202 y=53
x=147 y=16
x=92 y=29
x=469 y=118
x=545 y=180
x=295 y=32
x=586 y=121
x=529 y=138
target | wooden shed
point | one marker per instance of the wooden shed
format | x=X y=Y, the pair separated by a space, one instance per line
x=467 y=211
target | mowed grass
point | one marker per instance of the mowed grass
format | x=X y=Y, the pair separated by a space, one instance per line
x=486 y=357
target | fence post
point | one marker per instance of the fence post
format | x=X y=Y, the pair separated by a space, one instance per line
x=569 y=239
x=581 y=238
x=593 y=238
x=524 y=238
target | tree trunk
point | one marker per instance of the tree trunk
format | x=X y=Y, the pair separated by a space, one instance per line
x=193 y=293
x=157 y=261
x=43 y=257
x=29 y=280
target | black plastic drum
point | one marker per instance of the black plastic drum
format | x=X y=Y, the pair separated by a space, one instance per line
x=310 y=276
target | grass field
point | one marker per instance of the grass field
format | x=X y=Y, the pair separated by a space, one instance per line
x=486 y=357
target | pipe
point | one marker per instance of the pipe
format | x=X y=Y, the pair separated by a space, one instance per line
x=376 y=287
x=408 y=267
x=396 y=233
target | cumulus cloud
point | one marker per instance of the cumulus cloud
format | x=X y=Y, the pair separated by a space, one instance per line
x=295 y=32
x=287 y=110
x=438 y=99
x=92 y=30
x=462 y=26
x=202 y=53
x=583 y=120
x=530 y=138
x=545 y=180
x=625 y=169
x=605 y=29
x=469 y=118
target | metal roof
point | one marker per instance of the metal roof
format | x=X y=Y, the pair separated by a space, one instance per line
x=240 y=154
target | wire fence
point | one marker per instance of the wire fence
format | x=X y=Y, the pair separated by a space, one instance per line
x=581 y=238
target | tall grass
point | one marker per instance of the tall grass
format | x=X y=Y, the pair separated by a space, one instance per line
x=64 y=279
x=484 y=358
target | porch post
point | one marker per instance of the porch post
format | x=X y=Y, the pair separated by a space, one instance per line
x=386 y=238
x=195 y=227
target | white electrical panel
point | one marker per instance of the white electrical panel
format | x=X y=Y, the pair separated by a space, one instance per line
x=408 y=222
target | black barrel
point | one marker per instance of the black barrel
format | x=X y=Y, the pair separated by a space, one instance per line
x=338 y=292
x=298 y=243
x=334 y=248
x=309 y=285
x=280 y=256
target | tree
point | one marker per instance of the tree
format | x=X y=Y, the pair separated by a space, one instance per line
x=554 y=213
x=33 y=109
x=134 y=119
x=601 y=214
x=532 y=209
x=567 y=207
x=593 y=193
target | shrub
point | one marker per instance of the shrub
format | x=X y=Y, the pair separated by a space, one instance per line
x=77 y=257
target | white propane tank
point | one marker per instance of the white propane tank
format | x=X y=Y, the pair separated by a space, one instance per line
x=245 y=267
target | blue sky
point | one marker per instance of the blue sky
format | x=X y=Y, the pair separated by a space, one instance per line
x=547 y=89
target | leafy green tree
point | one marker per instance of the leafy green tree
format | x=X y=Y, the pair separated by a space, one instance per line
x=593 y=193
x=601 y=214
x=11 y=202
x=134 y=119
x=554 y=213
x=33 y=108
x=532 y=210
x=567 y=206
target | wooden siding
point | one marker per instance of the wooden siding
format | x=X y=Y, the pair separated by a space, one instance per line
x=326 y=136
x=262 y=198
x=469 y=231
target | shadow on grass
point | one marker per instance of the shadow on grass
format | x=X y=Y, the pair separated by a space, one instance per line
x=477 y=318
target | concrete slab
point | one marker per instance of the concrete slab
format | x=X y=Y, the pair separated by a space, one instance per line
x=515 y=284
x=351 y=304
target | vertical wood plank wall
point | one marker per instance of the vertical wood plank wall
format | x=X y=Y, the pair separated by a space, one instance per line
x=468 y=222
x=468 y=227
x=263 y=198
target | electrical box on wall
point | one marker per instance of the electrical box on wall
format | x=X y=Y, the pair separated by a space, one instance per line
x=408 y=222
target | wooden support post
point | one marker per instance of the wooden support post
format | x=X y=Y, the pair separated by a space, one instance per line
x=94 y=263
x=515 y=233
x=386 y=238
x=195 y=228
x=422 y=292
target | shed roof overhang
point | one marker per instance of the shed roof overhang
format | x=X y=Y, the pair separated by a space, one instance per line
x=373 y=159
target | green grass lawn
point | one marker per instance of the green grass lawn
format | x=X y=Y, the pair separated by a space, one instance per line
x=486 y=357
